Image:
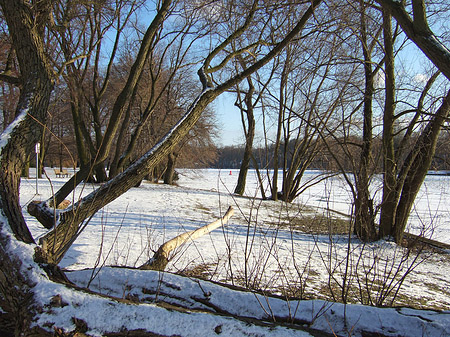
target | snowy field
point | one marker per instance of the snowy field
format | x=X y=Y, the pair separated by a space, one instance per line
x=430 y=216
x=260 y=248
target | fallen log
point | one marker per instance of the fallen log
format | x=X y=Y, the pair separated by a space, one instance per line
x=160 y=259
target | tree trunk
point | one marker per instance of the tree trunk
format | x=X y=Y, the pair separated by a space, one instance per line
x=34 y=98
x=26 y=168
x=117 y=163
x=18 y=140
x=15 y=289
x=281 y=113
x=390 y=195
x=420 y=159
x=100 y=173
x=42 y=153
x=82 y=138
x=56 y=243
x=249 y=136
x=364 y=215
x=170 y=169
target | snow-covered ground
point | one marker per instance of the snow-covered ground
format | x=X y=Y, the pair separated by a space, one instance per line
x=431 y=213
x=260 y=249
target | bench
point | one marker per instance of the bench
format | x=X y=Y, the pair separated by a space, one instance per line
x=61 y=173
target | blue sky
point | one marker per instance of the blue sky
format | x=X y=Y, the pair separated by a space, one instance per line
x=228 y=121
x=228 y=116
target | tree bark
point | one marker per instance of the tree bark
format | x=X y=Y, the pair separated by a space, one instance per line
x=120 y=158
x=390 y=195
x=15 y=289
x=18 y=140
x=31 y=111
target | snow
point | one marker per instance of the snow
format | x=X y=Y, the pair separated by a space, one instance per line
x=256 y=249
x=319 y=315
x=6 y=134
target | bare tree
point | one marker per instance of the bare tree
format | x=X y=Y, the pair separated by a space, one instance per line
x=311 y=85
x=404 y=161
x=247 y=101
x=401 y=189
x=364 y=209
x=26 y=25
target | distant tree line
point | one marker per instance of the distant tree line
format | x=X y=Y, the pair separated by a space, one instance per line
x=230 y=157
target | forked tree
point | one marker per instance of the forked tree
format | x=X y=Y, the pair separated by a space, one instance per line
x=404 y=169
x=402 y=183
x=404 y=161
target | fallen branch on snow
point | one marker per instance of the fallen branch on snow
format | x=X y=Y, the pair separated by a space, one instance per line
x=161 y=258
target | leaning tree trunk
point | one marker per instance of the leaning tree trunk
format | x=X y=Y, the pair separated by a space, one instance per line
x=420 y=159
x=58 y=241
